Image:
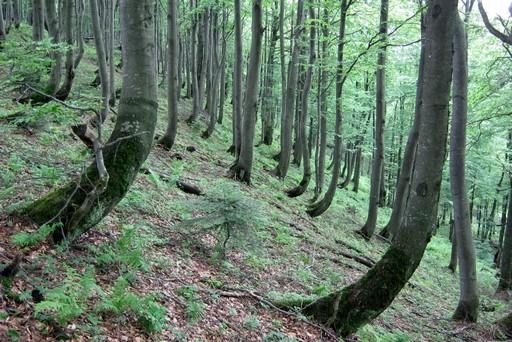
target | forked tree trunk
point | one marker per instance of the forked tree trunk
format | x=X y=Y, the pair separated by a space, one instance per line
x=348 y=309
x=291 y=85
x=242 y=169
x=102 y=57
x=467 y=308
x=129 y=143
x=167 y=141
x=65 y=89
x=380 y=117
x=304 y=117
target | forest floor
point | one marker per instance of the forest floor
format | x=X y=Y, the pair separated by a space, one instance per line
x=157 y=268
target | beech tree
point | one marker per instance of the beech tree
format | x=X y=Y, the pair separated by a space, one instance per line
x=349 y=308
x=81 y=204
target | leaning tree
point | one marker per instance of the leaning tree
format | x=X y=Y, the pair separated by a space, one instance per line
x=82 y=203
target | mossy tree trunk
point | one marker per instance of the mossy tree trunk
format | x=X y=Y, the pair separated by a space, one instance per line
x=130 y=141
x=354 y=306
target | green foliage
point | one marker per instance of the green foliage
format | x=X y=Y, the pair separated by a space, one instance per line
x=372 y=333
x=69 y=300
x=251 y=323
x=24 y=239
x=48 y=112
x=148 y=312
x=276 y=336
x=195 y=306
x=127 y=252
x=227 y=214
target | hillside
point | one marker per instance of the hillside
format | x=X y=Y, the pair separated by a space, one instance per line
x=160 y=267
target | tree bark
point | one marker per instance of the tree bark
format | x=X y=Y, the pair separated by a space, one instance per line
x=102 y=57
x=304 y=183
x=167 y=141
x=291 y=85
x=380 y=117
x=63 y=93
x=319 y=207
x=37 y=20
x=80 y=11
x=348 y=309
x=242 y=169
x=129 y=143
x=505 y=281
x=467 y=309
x=237 y=83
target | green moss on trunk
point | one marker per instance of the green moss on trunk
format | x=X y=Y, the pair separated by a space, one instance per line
x=352 y=307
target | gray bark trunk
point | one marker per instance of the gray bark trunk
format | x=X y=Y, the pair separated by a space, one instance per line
x=65 y=89
x=242 y=169
x=167 y=141
x=380 y=117
x=37 y=20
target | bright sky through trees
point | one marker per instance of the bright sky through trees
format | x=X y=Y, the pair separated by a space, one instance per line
x=497 y=7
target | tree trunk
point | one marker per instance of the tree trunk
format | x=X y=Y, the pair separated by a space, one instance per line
x=2 y=27
x=167 y=141
x=102 y=58
x=65 y=89
x=408 y=161
x=467 y=309
x=17 y=13
x=303 y=185
x=319 y=207
x=110 y=47
x=54 y=30
x=267 y=110
x=322 y=108
x=237 y=83
x=242 y=169
x=505 y=281
x=348 y=309
x=380 y=117
x=452 y=266
x=129 y=143
x=37 y=20
x=80 y=11
x=291 y=85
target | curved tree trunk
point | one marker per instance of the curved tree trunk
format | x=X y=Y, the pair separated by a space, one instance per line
x=348 y=309
x=319 y=207
x=167 y=141
x=291 y=85
x=102 y=57
x=304 y=183
x=129 y=143
x=467 y=308
x=242 y=169
x=380 y=117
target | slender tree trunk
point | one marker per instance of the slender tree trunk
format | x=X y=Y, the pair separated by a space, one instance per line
x=223 y=89
x=79 y=206
x=303 y=185
x=467 y=308
x=111 y=59
x=102 y=58
x=408 y=161
x=267 y=110
x=319 y=207
x=291 y=85
x=348 y=309
x=380 y=117
x=322 y=108
x=65 y=89
x=453 y=256
x=80 y=11
x=2 y=27
x=167 y=141
x=37 y=20
x=505 y=281
x=237 y=83
x=242 y=169
x=54 y=29
x=17 y=13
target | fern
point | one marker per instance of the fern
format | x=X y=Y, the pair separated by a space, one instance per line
x=24 y=239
